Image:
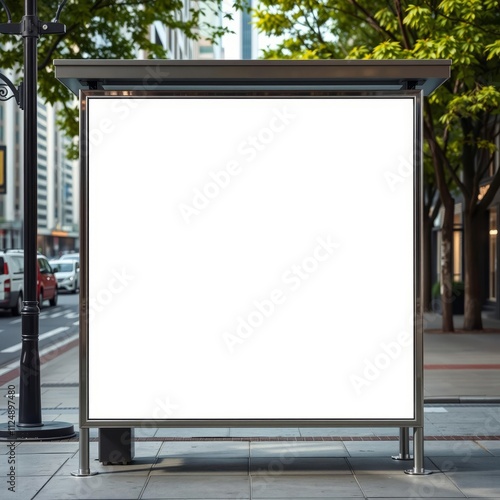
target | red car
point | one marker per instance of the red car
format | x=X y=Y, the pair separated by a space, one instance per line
x=46 y=282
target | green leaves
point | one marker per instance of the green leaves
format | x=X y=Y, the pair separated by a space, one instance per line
x=493 y=50
x=473 y=103
x=114 y=29
x=417 y=16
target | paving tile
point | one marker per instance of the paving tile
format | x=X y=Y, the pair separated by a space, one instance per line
x=140 y=466
x=264 y=432
x=492 y=447
x=25 y=487
x=207 y=487
x=432 y=430
x=477 y=484
x=145 y=432
x=290 y=449
x=143 y=449
x=465 y=429
x=72 y=418
x=453 y=448
x=336 y=431
x=468 y=464
x=205 y=449
x=294 y=486
x=217 y=465
x=271 y=466
x=40 y=464
x=47 y=447
x=384 y=449
x=383 y=465
x=99 y=487
x=192 y=432
x=406 y=486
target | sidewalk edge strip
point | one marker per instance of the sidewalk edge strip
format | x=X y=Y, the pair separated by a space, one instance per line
x=47 y=354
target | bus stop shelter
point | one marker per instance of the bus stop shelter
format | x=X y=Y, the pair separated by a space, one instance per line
x=236 y=217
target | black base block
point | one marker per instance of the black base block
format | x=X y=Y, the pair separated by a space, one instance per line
x=116 y=445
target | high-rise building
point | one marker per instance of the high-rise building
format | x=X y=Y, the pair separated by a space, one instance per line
x=57 y=205
x=11 y=202
x=180 y=46
x=248 y=35
x=57 y=176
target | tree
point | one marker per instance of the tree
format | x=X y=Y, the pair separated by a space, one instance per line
x=460 y=119
x=101 y=29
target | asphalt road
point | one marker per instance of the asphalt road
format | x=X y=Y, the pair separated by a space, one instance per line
x=58 y=324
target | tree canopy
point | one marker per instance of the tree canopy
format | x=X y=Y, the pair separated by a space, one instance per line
x=102 y=29
x=461 y=125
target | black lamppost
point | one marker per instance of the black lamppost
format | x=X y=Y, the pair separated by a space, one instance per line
x=29 y=424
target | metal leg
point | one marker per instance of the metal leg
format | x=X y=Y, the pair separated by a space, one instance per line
x=404 y=445
x=84 y=456
x=418 y=452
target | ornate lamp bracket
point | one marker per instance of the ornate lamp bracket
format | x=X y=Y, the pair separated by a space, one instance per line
x=9 y=91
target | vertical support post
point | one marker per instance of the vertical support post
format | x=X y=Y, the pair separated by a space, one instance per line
x=29 y=424
x=84 y=456
x=30 y=413
x=404 y=445
x=418 y=454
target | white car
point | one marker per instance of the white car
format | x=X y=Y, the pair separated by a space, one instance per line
x=70 y=256
x=67 y=272
x=11 y=281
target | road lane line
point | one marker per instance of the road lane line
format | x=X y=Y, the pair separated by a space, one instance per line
x=57 y=314
x=46 y=335
x=46 y=351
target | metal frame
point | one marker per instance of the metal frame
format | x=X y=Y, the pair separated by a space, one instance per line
x=416 y=421
x=389 y=75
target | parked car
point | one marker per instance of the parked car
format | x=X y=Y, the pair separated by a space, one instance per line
x=70 y=256
x=46 y=281
x=67 y=273
x=11 y=282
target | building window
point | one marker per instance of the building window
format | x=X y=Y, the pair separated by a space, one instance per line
x=493 y=255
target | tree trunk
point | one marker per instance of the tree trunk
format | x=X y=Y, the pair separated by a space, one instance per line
x=473 y=305
x=447 y=266
x=427 y=259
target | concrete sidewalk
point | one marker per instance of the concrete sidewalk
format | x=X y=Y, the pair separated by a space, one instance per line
x=462 y=444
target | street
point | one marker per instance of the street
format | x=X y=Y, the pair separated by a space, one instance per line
x=58 y=325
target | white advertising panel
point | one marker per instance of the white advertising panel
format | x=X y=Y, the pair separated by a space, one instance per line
x=251 y=258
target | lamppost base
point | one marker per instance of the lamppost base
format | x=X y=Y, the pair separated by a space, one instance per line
x=46 y=432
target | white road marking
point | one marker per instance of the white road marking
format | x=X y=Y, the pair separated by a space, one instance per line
x=43 y=352
x=46 y=335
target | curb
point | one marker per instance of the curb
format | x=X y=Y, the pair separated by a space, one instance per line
x=46 y=355
x=451 y=400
